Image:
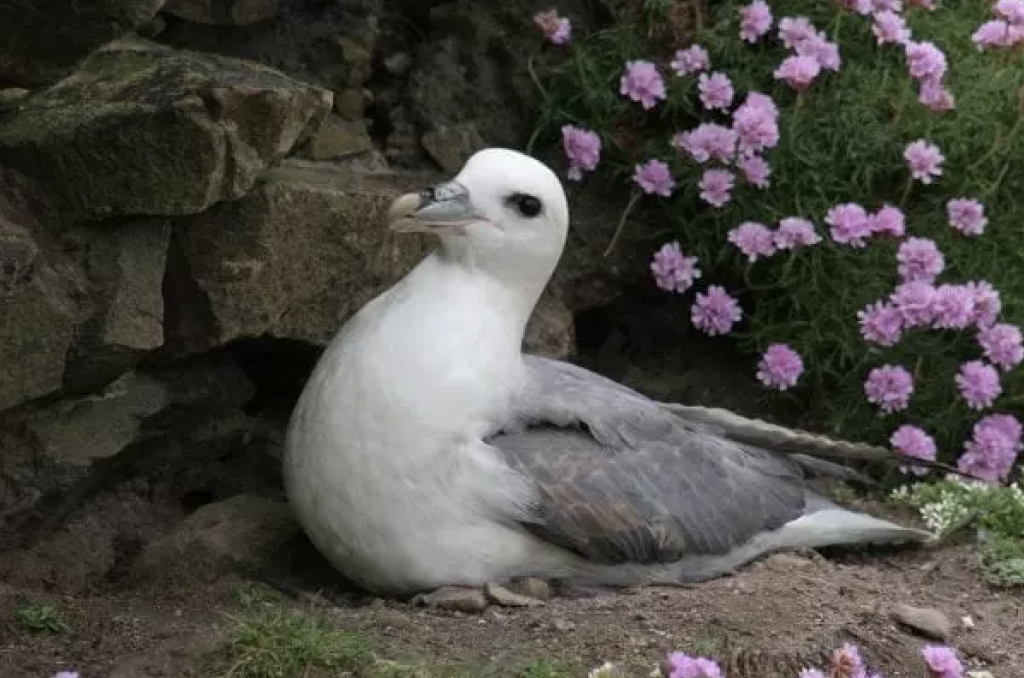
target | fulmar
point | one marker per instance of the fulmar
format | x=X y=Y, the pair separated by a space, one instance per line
x=428 y=455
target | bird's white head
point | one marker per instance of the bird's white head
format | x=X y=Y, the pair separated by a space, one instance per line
x=505 y=214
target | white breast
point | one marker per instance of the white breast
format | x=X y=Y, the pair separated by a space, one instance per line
x=384 y=463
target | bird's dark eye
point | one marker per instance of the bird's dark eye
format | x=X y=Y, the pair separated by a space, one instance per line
x=527 y=205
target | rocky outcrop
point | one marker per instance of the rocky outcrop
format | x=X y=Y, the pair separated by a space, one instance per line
x=186 y=219
x=142 y=129
x=43 y=40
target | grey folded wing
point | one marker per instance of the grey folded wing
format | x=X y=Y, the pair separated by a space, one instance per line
x=620 y=479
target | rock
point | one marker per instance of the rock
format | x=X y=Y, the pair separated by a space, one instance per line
x=11 y=97
x=234 y=535
x=223 y=12
x=293 y=259
x=451 y=146
x=357 y=57
x=350 y=104
x=398 y=64
x=126 y=263
x=338 y=138
x=550 y=330
x=925 y=620
x=47 y=449
x=145 y=130
x=39 y=318
x=41 y=41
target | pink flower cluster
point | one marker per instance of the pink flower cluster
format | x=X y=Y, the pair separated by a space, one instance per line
x=812 y=53
x=755 y=21
x=756 y=240
x=642 y=83
x=780 y=367
x=994 y=445
x=754 y=129
x=558 y=30
x=852 y=225
x=583 y=149
x=1004 y=32
x=673 y=271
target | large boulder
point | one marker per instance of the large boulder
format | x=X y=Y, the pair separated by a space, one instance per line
x=221 y=12
x=291 y=260
x=43 y=40
x=141 y=129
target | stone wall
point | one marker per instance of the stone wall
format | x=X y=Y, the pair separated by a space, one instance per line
x=191 y=196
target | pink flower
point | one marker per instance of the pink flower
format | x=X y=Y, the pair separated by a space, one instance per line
x=978 y=384
x=1011 y=10
x=753 y=239
x=673 y=271
x=919 y=259
x=925 y=61
x=849 y=224
x=583 y=148
x=953 y=307
x=990 y=453
x=794 y=232
x=914 y=442
x=755 y=170
x=915 y=302
x=755 y=20
x=714 y=311
x=715 y=187
x=942 y=661
x=821 y=50
x=556 y=29
x=888 y=220
x=986 y=303
x=755 y=122
x=890 y=27
x=707 y=141
x=935 y=97
x=994 y=33
x=654 y=177
x=642 y=83
x=680 y=665
x=881 y=323
x=798 y=71
x=889 y=387
x=859 y=6
x=716 y=90
x=924 y=160
x=847 y=662
x=693 y=59
x=780 y=367
x=795 y=30
x=1002 y=345
x=967 y=216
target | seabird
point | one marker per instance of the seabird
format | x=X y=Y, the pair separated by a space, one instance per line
x=428 y=455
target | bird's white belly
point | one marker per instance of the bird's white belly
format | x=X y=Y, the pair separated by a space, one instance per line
x=389 y=493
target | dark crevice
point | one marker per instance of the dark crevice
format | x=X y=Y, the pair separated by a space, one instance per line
x=278 y=369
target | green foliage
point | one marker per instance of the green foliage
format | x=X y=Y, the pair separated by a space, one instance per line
x=997 y=512
x=41 y=619
x=282 y=643
x=841 y=141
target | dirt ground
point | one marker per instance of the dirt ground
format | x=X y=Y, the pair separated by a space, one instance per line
x=769 y=620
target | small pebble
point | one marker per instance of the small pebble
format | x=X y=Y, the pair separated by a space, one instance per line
x=925 y=620
x=967 y=623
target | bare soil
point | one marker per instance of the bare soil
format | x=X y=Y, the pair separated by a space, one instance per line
x=771 y=619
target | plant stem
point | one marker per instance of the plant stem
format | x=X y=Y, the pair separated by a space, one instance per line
x=622 y=221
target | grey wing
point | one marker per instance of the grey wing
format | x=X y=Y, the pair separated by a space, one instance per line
x=621 y=479
x=653 y=503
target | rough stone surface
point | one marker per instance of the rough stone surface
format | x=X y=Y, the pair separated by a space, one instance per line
x=145 y=130
x=339 y=138
x=451 y=146
x=42 y=40
x=292 y=259
x=927 y=621
x=39 y=316
x=223 y=12
x=234 y=535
